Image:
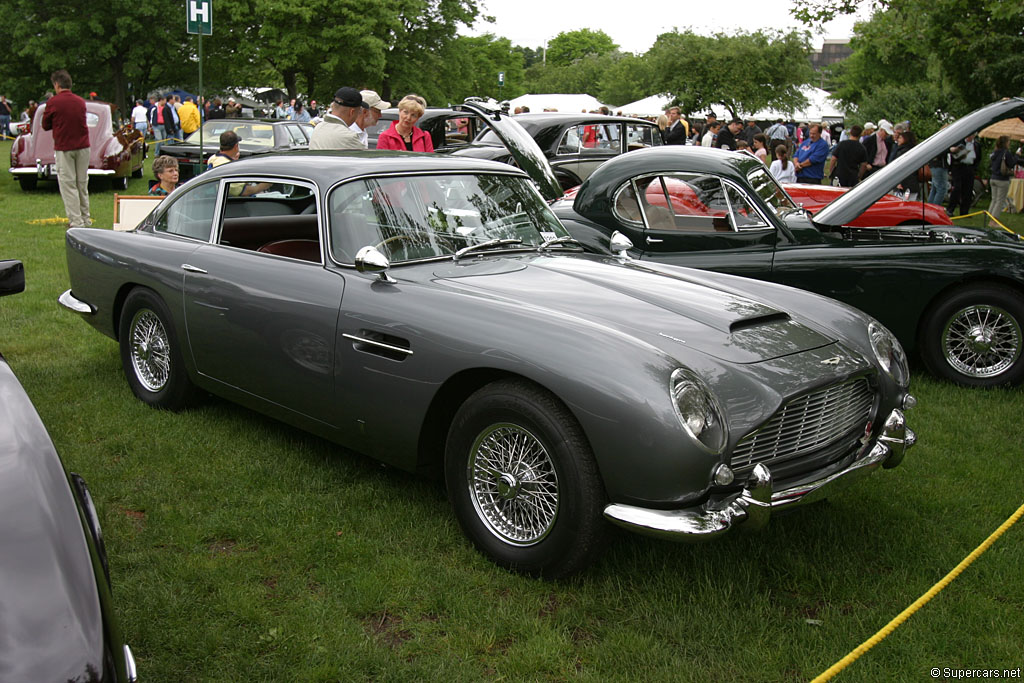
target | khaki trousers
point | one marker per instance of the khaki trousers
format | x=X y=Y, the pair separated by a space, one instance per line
x=73 y=178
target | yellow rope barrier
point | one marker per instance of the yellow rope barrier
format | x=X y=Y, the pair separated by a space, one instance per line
x=990 y=217
x=920 y=602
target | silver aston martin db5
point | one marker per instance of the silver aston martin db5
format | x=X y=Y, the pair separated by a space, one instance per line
x=433 y=313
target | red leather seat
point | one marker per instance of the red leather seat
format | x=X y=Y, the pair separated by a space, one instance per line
x=305 y=250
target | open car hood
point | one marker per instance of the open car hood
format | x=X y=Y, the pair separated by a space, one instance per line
x=520 y=144
x=852 y=204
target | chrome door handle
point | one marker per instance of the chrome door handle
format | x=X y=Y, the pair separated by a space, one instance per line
x=651 y=240
x=192 y=269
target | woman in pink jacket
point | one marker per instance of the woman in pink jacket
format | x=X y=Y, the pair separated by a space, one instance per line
x=403 y=133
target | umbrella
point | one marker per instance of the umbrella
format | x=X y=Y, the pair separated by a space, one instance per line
x=1014 y=128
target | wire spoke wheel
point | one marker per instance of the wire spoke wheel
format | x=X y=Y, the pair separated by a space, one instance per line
x=982 y=341
x=513 y=484
x=150 y=350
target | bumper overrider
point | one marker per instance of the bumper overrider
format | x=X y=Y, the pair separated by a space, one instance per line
x=752 y=507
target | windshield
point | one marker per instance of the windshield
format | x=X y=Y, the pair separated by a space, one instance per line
x=252 y=133
x=409 y=218
x=771 y=192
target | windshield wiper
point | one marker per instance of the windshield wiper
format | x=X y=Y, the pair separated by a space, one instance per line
x=486 y=245
x=555 y=241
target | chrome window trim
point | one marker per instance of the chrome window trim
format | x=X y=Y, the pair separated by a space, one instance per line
x=642 y=224
x=753 y=206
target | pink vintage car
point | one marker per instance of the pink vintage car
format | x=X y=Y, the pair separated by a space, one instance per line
x=114 y=154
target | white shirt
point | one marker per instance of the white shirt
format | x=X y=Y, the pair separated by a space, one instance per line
x=363 y=137
x=783 y=176
x=140 y=114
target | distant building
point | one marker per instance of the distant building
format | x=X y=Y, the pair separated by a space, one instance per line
x=831 y=52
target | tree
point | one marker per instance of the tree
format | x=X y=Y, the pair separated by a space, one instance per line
x=955 y=54
x=470 y=67
x=571 y=46
x=911 y=60
x=744 y=72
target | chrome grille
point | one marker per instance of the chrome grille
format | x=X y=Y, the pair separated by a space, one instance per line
x=806 y=424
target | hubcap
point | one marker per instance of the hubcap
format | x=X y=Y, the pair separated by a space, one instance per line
x=150 y=350
x=982 y=341
x=513 y=484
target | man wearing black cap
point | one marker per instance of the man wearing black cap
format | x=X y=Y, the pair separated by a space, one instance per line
x=334 y=132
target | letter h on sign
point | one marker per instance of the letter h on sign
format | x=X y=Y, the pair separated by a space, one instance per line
x=200 y=17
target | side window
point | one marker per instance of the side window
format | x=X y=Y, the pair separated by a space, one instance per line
x=684 y=202
x=277 y=218
x=599 y=138
x=743 y=216
x=296 y=138
x=570 y=143
x=639 y=136
x=191 y=214
x=626 y=207
x=457 y=131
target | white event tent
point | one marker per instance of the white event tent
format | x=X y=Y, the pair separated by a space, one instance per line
x=819 y=108
x=561 y=102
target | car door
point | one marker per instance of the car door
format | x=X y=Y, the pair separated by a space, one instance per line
x=261 y=310
x=697 y=220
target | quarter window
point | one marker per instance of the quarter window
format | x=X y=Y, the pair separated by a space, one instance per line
x=191 y=214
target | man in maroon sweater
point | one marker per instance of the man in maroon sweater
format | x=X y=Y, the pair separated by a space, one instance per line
x=65 y=116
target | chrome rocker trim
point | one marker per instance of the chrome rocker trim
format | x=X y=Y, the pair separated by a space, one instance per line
x=68 y=301
x=752 y=507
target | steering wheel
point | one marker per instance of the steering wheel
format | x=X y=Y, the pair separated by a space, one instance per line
x=393 y=238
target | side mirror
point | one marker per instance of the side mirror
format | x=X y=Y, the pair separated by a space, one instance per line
x=620 y=244
x=370 y=260
x=12 y=277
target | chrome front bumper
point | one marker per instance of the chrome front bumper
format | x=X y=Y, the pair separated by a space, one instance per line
x=752 y=507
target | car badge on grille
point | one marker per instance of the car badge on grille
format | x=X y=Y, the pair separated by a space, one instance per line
x=834 y=360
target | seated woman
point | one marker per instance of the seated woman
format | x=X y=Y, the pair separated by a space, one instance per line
x=165 y=169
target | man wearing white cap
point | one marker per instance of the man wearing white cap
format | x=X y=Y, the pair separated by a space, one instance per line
x=373 y=105
x=879 y=146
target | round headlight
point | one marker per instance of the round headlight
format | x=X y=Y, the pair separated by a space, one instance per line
x=889 y=353
x=697 y=410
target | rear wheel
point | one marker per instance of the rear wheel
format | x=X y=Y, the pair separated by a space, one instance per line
x=522 y=481
x=976 y=337
x=150 y=354
x=119 y=182
x=28 y=182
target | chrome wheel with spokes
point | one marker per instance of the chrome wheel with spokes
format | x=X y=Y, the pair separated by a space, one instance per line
x=522 y=480
x=150 y=350
x=513 y=484
x=974 y=336
x=982 y=341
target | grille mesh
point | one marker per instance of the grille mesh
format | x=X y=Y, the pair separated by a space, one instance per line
x=806 y=424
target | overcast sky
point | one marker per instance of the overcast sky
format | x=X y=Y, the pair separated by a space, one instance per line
x=634 y=27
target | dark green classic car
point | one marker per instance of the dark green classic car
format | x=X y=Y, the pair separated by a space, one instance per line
x=953 y=294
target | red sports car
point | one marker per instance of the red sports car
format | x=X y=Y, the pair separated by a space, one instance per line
x=889 y=210
x=115 y=154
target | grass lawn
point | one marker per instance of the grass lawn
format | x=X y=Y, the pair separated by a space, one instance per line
x=244 y=550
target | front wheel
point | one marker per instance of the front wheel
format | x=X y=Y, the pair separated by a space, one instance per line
x=974 y=337
x=522 y=481
x=119 y=182
x=150 y=354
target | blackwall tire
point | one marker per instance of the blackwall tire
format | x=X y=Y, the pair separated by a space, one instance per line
x=975 y=337
x=150 y=353
x=522 y=481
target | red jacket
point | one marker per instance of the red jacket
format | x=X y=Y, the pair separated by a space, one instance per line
x=390 y=139
x=65 y=115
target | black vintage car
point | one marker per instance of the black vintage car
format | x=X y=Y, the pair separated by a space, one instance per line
x=449 y=129
x=952 y=293
x=56 y=617
x=258 y=136
x=574 y=144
